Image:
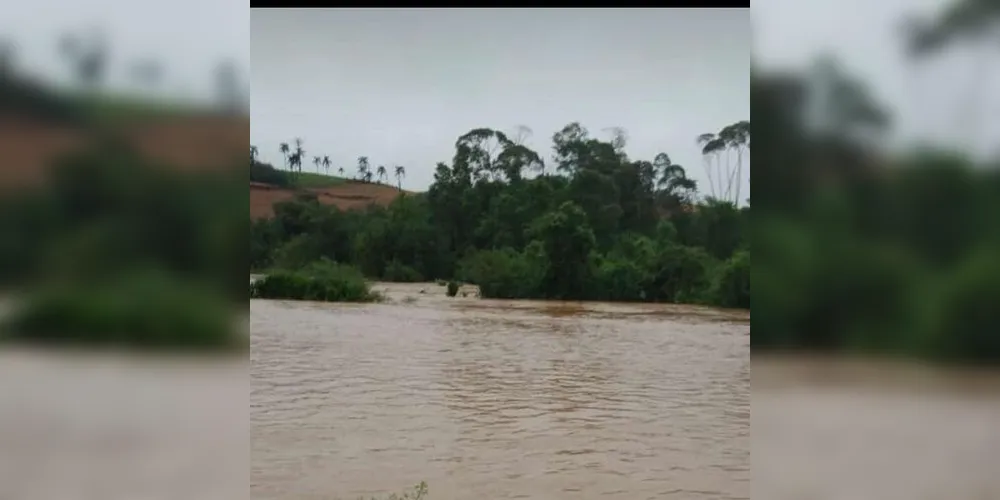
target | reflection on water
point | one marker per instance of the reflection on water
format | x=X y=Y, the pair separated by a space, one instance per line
x=496 y=400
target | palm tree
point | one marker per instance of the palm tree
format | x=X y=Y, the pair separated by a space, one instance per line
x=326 y=164
x=285 y=150
x=400 y=173
x=382 y=173
x=340 y=170
x=363 y=168
x=316 y=162
x=299 y=153
x=254 y=153
x=295 y=161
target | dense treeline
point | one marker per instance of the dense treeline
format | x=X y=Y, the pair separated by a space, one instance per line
x=596 y=225
x=859 y=250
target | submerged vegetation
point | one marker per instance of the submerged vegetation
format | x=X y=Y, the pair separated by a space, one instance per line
x=596 y=225
x=322 y=280
x=138 y=310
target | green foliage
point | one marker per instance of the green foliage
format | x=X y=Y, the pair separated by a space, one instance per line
x=864 y=252
x=503 y=274
x=140 y=309
x=731 y=286
x=453 y=287
x=118 y=250
x=315 y=180
x=604 y=228
x=266 y=174
x=398 y=272
x=964 y=317
x=323 y=281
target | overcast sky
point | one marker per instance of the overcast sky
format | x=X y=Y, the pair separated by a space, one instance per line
x=401 y=86
x=188 y=38
x=946 y=100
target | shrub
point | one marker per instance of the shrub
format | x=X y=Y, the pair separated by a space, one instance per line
x=620 y=280
x=147 y=309
x=453 y=287
x=323 y=280
x=731 y=285
x=398 y=272
x=681 y=274
x=503 y=274
x=964 y=317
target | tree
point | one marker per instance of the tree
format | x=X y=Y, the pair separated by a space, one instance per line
x=317 y=161
x=363 y=173
x=711 y=147
x=87 y=56
x=973 y=20
x=7 y=58
x=326 y=164
x=567 y=240
x=672 y=180
x=736 y=138
x=382 y=173
x=299 y=154
x=400 y=173
x=228 y=88
x=970 y=21
x=340 y=170
x=286 y=154
x=254 y=153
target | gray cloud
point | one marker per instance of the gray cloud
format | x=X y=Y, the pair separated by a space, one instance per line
x=400 y=86
x=188 y=37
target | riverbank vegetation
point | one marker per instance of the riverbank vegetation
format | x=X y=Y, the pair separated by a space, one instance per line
x=594 y=224
x=860 y=250
x=117 y=250
x=322 y=280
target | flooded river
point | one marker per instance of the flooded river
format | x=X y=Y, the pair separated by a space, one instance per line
x=498 y=400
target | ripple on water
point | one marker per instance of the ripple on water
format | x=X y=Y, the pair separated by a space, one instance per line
x=499 y=400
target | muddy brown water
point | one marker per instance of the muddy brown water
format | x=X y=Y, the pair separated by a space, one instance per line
x=490 y=399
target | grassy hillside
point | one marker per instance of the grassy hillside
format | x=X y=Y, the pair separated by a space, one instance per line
x=308 y=180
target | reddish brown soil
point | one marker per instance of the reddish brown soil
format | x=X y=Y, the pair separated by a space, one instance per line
x=28 y=147
x=350 y=195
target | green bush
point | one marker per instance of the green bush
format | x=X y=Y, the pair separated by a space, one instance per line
x=147 y=309
x=397 y=272
x=731 y=286
x=621 y=280
x=680 y=274
x=502 y=274
x=964 y=320
x=323 y=281
x=453 y=288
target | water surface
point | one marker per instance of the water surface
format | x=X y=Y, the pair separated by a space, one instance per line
x=487 y=399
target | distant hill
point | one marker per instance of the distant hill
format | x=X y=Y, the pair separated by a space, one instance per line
x=345 y=194
x=40 y=125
